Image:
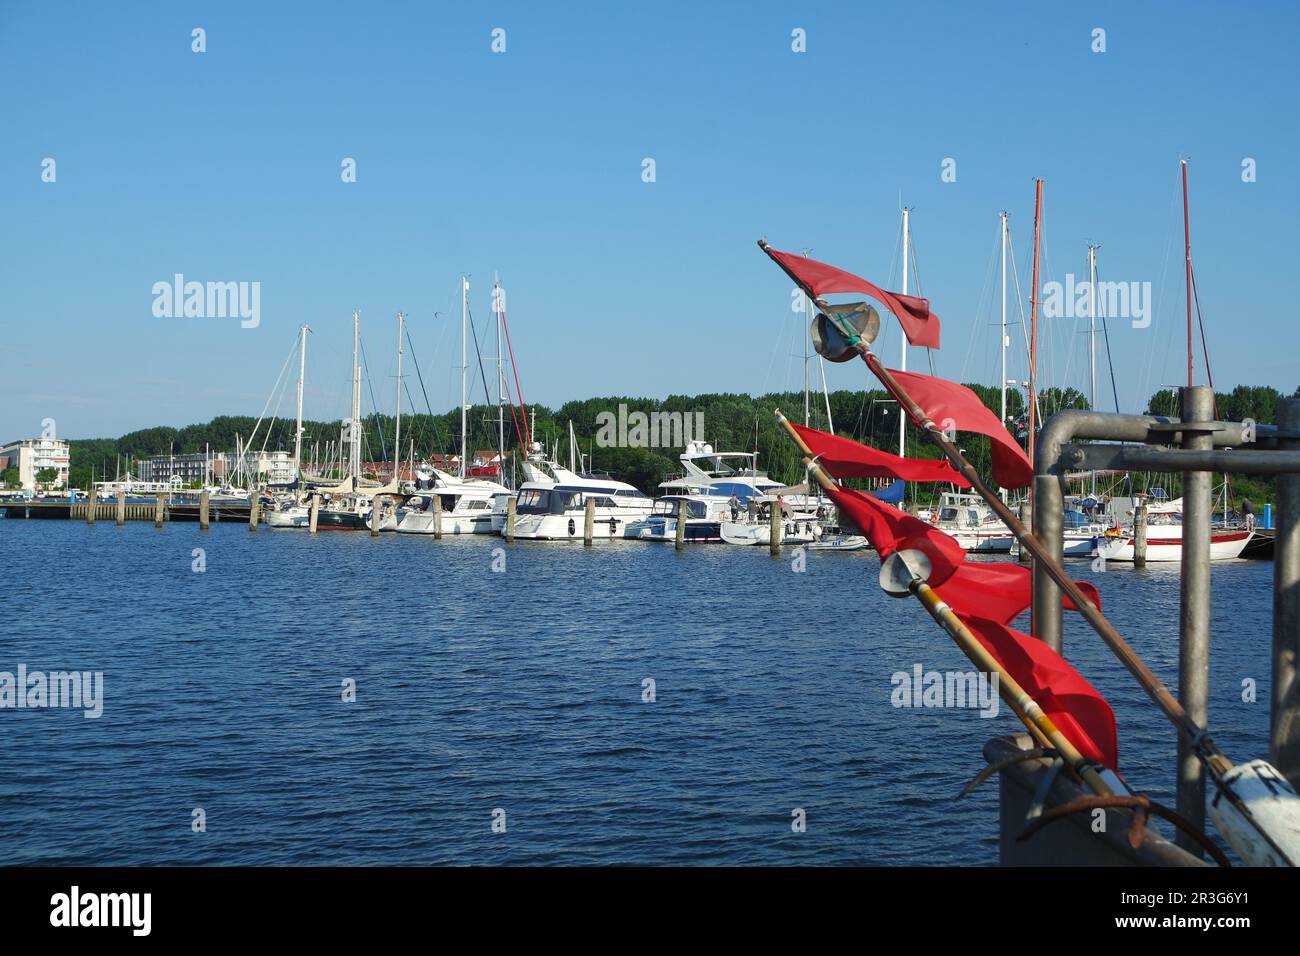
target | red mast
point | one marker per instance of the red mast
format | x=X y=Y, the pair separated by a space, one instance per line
x=1187 y=248
x=1033 y=321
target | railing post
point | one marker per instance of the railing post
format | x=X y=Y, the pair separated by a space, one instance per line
x=1049 y=521
x=1284 y=716
x=1194 y=621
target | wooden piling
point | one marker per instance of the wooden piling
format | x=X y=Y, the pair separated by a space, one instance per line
x=254 y=514
x=774 y=528
x=588 y=521
x=158 y=507
x=203 y=510
x=315 y=513
x=376 y=515
x=121 y=507
x=91 y=502
x=511 y=504
x=1140 y=535
x=679 y=539
x=437 y=517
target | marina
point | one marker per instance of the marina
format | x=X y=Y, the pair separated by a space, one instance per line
x=463 y=458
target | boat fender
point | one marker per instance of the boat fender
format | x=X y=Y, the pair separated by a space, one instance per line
x=571 y=526
x=1276 y=809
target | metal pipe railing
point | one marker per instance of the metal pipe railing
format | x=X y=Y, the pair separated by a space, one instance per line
x=1284 y=712
x=1194 y=617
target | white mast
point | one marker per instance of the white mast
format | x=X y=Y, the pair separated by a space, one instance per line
x=572 y=449
x=302 y=374
x=464 y=369
x=397 y=437
x=902 y=418
x=1002 y=387
x=354 y=425
x=1092 y=337
x=499 y=306
x=808 y=311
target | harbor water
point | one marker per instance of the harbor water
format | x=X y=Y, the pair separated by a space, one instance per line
x=510 y=685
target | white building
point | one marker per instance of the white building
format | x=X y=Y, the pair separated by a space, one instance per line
x=33 y=455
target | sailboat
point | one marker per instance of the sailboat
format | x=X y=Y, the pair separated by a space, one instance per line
x=288 y=510
x=1164 y=522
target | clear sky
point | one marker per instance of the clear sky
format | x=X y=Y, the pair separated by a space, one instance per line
x=225 y=166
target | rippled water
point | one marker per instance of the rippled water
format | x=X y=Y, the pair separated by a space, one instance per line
x=522 y=690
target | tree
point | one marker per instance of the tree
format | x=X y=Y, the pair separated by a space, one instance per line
x=47 y=476
x=9 y=477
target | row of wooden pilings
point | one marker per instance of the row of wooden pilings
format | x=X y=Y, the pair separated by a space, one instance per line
x=122 y=512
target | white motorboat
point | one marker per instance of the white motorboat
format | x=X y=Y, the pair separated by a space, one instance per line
x=467 y=506
x=704 y=517
x=556 y=510
x=970 y=520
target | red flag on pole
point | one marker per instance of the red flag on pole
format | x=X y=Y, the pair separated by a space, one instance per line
x=987 y=597
x=996 y=591
x=1073 y=704
x=845 y=458
x=919 y=323
x=955 y=407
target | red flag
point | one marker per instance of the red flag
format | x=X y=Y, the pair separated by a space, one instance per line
x=845 y=458
x=919 y=323
x=955 y=407
x=987 y=597
x=995 y=591
x=1066 y=697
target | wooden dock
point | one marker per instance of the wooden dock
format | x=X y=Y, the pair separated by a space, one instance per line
x=132 y=511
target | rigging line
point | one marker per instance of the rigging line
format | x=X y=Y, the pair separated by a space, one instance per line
x=1110 y=362
x=374 y=407
x=487 y=396
x=523 y=411
x=437 y=438
x=274 y=387
x=1209 y=374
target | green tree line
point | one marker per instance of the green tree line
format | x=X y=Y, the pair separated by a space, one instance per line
x=732 y=422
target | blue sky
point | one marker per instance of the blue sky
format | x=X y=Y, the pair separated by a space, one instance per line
x=225 y=166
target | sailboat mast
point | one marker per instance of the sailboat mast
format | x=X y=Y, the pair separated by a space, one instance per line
x=1002 y=345
x=1092 y=338
x=297 y=432
x=464 y=369
x=397 y=436
x=1033 y=321
x=354 y=461
x=808 y=307
x=1187 y=249
x=498 y=306
x=907 y=244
